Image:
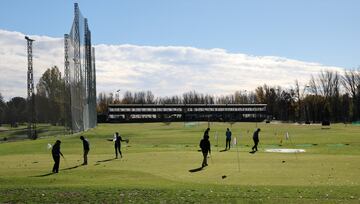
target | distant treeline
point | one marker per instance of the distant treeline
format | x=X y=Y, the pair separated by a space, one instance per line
x=49 y=102
x=327 y=96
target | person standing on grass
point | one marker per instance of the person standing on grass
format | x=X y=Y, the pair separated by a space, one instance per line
x=205 y=148
x=86 y=147
x=228 y=139
x=56 y=156
x=256 y=140
x=117 y=140
x=206 y=133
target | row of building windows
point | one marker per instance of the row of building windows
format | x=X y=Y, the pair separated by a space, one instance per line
x=257 y=109
x=134 y=116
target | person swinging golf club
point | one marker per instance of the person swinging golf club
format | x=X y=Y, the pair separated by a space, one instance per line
x=256 y=140
x=117 y=140
x=205 y=147
x=56 y=156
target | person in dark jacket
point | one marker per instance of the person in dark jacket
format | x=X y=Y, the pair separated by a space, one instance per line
x=228 y=139
x=256 y=140
x=56 y=156
x=117 y=139
x=206 y=133
x=205 y=148
x=86 y=147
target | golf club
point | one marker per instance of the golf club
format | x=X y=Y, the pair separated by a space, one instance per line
x=66 y=164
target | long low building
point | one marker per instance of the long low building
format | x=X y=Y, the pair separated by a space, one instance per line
x=185 y=112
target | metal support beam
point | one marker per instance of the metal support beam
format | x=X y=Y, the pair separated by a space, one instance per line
x=31 y=93
x=66 y=55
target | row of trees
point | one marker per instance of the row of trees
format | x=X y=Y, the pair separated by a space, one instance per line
x=327 y=96
x=13 y=110
x=192 y=97
x=49 y=106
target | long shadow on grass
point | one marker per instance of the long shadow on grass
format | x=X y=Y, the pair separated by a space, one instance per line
x=51 y=173
x=43 y=175
x=105 y=160
x=70 y=168
x=196 y=170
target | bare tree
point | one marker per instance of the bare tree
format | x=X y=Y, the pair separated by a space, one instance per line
x=128 y=98
x=150 y=98
x=169 y=100
x=351 y=82
x=103 y=101
x=329 y=83
x=313 y=86
x=192 y=97
x=139 y=97
x=298 y=98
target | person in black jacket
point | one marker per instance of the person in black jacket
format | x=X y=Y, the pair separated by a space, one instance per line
x=56 y=156
x=117 y=140
x=205 y=147
x=228 y=139
x=206 y=133
x=256 y=140
x=86 y=147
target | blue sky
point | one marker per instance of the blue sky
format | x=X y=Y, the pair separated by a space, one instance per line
x=322 y=31
x=171 y=47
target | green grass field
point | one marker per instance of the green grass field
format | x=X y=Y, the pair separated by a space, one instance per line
x=20 y=132
x=156 y=163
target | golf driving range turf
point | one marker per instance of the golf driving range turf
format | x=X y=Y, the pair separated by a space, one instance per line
x=156 y=165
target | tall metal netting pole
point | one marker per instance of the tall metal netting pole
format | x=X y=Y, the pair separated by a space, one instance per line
x=79 y=60
x=31 y=93
x=67 y=94
x=93 y=85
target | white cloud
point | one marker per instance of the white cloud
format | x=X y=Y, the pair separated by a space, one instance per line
x=166 y=70
x=47 y=52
